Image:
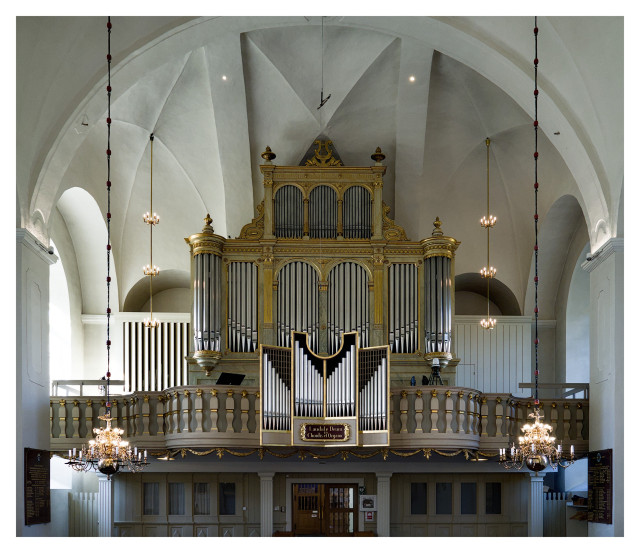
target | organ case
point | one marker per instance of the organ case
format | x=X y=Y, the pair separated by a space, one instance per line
x=322 y=257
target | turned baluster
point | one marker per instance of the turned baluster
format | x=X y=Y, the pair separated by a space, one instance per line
x=419 y=409
x=476 y=413
x=435 y=407
x=51 y=431
x=448 y=412
x=214 y=410
x=244 y=411
x=484 y=416
x=461 y=411
x=186 y=413
x=404 y=404
x=567 y=423
x=229 y=404
x=198 y=410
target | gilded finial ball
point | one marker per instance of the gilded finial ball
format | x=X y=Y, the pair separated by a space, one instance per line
x=108 y=466
x=207 y=223
x=378 y=156
x=268 y=155
x=436 y=227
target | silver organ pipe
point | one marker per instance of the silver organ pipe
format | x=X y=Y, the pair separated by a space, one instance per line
x=242 y=306
x=288 y=212
x=403 y=311
x=297 y=303
x=438 y=304
x=276 y=388
x=323 y=212
x=348 y=304
x=207 y=303
x=356 y=214
x=373 y=389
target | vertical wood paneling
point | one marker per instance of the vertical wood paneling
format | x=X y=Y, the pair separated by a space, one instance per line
x=502 y=356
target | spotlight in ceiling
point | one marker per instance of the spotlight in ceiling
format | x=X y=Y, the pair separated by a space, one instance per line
x=412 y=78
x=224 y=77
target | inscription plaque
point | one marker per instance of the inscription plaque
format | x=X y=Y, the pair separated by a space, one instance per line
x=318 y=432
x=37 y=495
x=600 y=481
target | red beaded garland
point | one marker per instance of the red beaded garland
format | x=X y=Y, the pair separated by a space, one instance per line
x=108 y=24
x=536 y=186
x=108 y=88
x=108 y=310
x=109 y=57
x=108 y=342
x=535 y=341
x=535 y=217
x=535 y=310
x=535 y=154
x=108 y=375
x=535 y=279
x=108 y=152
x=108 y=279
x=535 y=61
x=535 y=92
x=108 y=184
x=108 y=120
x=535 y=123
x=108 y=215
x=535 y=247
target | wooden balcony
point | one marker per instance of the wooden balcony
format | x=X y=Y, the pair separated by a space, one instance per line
x=440 y=417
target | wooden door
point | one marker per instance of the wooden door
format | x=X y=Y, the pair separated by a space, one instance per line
x=325 y=509
x=340 y=510
x=307 y=509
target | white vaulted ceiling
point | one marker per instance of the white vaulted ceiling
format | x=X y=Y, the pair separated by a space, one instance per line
x=473 y=79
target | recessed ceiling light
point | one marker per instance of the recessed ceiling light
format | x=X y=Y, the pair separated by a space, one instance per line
x=412 y=78
x=224 y=77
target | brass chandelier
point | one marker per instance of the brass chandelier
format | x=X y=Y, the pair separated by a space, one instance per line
x=536 y=449
x=488 y=221
x=107 y=452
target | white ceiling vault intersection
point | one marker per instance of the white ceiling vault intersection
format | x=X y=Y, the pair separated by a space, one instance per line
x=216 y=91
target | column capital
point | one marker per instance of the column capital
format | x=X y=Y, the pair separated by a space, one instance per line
x=595 y=259
x=384 y=474
x=23 y=236
x=266 y=475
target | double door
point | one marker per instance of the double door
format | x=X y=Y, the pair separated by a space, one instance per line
x=325 y=509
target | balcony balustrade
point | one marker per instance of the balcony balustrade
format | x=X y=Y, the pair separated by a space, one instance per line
x=439 y=417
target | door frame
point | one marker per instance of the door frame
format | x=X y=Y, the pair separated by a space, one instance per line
x=289 y=481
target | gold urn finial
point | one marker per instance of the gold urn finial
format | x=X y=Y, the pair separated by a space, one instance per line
x=436 y=230
x=207 y=224
x=268 y=155
x=378 y=156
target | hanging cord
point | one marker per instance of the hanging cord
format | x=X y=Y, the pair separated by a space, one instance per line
x=488 y=234
x=108 y=404
x=151 y=234
x=535 y=187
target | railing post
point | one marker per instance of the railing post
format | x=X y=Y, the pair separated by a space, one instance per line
x=175 y=412
x=448 y=412
x=579 y=421
x=75 y=418
x=403 y=411
x=160 y=412
x=62 y=417
x=476 y=414
x=470 y=414
x=198 y=410
x=484 y=416
x=419 y=409
x=567 y=422
x=229 y=404
x=258 y=410
x=499 y=417
x=214 y=410
x=185 y=411
x=461 y=410
x=435 y=406
x=145 y=415
x=244 y=411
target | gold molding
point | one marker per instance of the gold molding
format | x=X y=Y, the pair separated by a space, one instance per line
x=391 y=231
x=255 y=229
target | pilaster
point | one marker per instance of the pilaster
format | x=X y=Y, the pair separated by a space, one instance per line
x=105 y=506
x=384 y=503
x=536 y=505
x=266 y=504
x=606 y=375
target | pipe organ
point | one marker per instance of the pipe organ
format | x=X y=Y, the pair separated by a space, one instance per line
x=335 y=400
x=322 y=257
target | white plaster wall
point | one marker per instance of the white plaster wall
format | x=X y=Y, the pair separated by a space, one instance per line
x=173 y=300
x=577 y=324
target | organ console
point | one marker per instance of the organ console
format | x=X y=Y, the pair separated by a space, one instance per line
x=316 y=300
